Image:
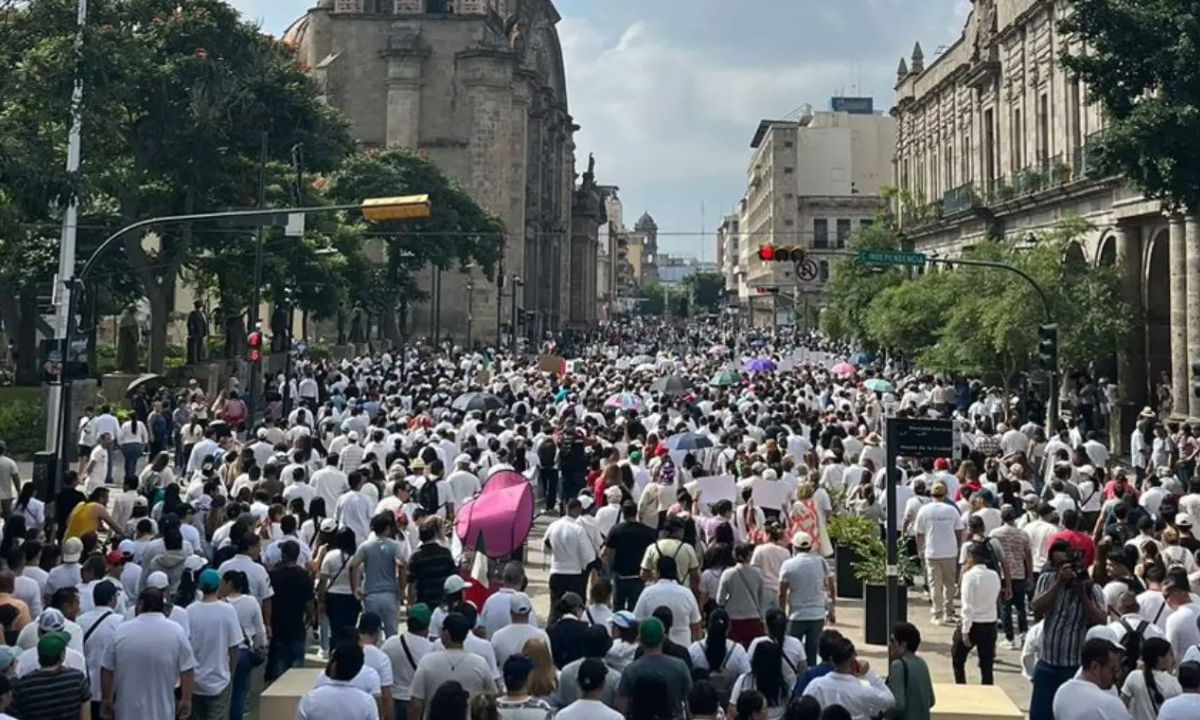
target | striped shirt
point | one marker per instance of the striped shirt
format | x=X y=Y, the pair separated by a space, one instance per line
x=51 y=694
x=1065 y=626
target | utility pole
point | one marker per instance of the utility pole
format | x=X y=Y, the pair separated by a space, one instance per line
x=256 y=300
x=64 y=282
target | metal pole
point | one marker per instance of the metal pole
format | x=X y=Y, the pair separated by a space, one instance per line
x=66 y=254
x=470 y=310
x=256 y=380
x=287 y=356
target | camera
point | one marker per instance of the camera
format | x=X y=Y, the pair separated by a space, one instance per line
x=1077 y=566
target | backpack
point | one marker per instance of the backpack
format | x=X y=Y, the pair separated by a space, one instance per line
x=1132 y=643
x=990 y=559
x=427 y=496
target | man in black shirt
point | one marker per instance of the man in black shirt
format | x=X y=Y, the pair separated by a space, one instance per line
x=289 y=611
x=623 y=552
x=547 y=454
x=429 y=567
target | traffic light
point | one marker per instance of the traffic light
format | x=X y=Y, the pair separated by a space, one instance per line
x=1196 y=378
x=1048 y=347
x=255 y=340
x=781 y=253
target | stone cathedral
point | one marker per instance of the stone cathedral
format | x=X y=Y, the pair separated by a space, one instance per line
x=478 y=87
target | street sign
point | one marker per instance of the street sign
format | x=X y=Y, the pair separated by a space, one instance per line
x=920 y=437
x=807 y=270
x=892 y=257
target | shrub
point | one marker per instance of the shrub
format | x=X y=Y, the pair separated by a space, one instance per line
x=23 y=426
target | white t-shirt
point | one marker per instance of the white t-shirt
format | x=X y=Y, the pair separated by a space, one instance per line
x=98 y=641
x=736 y=659
x=1181 y=628
x=939 y=523
x=367 y=680
x=584 y=710
x=1137 y=696
x=402 y=668
x=1181 y=707
x=684 y=610
x=1082 y=700
x=337 y=699
x=510 y=640
x=146 y=656
x=337 y=569
x=28 y=662
x=215 y=630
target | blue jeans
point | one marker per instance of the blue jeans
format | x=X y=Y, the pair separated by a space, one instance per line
x=807 y=632
x=1047 y=679
x=283 y=656
x=241 y=684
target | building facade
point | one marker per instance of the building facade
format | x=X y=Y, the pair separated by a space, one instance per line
x=813 y=180
x=995 y=140
x=478 y=87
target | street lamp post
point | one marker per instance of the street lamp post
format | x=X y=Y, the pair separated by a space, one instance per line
x=470 y=310
x=517 y=282
x=373 y=210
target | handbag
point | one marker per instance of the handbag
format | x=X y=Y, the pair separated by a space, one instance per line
x=258 y=654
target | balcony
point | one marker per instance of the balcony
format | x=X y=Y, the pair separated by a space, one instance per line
x=959 y=199
x=1087 y=158
x=1047 y=174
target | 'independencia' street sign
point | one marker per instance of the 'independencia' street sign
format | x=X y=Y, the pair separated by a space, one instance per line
x=891 y=257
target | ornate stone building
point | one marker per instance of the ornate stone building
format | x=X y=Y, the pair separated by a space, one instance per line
x=478 y=87
x=995 y=138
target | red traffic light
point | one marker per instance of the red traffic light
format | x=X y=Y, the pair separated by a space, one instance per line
x=255 y=339
x=766 y=253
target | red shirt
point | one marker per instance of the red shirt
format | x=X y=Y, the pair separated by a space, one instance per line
x=1080 y=541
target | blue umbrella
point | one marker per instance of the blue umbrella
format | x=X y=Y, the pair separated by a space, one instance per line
x=761 y=364
x=688 y=441
x=860 y=358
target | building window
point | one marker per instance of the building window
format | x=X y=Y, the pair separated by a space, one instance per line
x=789 y=222
x=843 y=232
x=989 y=147
x=866 y=223
x=948 y=159
x=787 y=196
x=1074 y=119
x=820 y=234
x=788 y=170
x=1017 y=141
x=824 y=270
x=966 y=160
x=787 y=143
x=1043 y=129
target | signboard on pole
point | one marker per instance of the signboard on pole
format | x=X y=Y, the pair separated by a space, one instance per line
x=892 y=258
x=908 y=437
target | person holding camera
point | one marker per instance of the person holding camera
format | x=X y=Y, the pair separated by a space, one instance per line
x=1070 y=603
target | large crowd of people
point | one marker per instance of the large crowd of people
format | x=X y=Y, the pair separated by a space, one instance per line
x=687 y=488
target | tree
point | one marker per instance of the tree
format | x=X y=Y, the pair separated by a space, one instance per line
x=1141 y=63
x=706 y=292
x=459 y=231
x=177 y=99
x=853 y=286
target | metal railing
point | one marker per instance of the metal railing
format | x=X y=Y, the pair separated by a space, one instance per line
x=959 y=199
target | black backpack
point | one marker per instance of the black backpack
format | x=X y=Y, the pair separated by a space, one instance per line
x=990 y=559
x=427 y=496
x=1133 y=643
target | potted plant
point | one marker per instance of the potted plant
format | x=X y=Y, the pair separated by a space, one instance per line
x=871 y=570
x=847 y=532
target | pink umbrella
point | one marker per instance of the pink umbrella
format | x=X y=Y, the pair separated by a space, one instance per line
x=843 y=368
x=498 y=520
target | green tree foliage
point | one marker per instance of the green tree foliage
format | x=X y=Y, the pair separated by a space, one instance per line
x=705 y=291
x=1142 y=65
x=459 y=233
x=177 y=97
x=854 y=286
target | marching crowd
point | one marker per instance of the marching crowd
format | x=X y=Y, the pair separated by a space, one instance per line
x=691 y=488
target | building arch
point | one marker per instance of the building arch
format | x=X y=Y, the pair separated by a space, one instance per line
x=1074 y=259
x=1156 y=299
x=1106 y=253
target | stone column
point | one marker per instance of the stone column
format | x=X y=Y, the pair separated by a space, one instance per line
x=1131 y=359
x=404 y=83
x=1179 y=317
x=1192 y=240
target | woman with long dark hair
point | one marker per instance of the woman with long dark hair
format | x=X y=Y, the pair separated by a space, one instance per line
x=717 y=559
x=333 y=589
x=722 y=658
x=765 y=677
x=1146 y=689
x=134 y=437
x=792 y=661
x=30 y=508
x=235 y=590
x=14 y=533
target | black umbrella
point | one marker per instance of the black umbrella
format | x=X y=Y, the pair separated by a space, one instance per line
x=672 y=385
x=146 y=383
x=477 y=401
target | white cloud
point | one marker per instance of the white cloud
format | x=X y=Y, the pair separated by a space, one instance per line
x=662 y=112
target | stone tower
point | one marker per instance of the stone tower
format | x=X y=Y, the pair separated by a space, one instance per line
x=478 y=87
x=648 y=229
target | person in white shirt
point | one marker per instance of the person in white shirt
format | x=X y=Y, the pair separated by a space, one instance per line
x=1146 y=689
x=685 y=612
x=498 y=607
x=806 y=593
x=571 y=553
x=99 y=625
x=216 y=635
x=338 y=697
x=939 y=527
x=405 y=651
x=353 y=509
x=51 y=621
x=590 y=706
x=1088 y=696
x=980 y=595
x=1185 y=706
x=844 y=686
x=147 y=659
x=451 y=663
x=330 y=482
x=463 y=483
x=510 y=639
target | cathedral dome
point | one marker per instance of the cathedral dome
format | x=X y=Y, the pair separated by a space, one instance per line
x=645 y=222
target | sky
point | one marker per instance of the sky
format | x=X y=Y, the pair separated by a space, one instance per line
x=668 y=93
